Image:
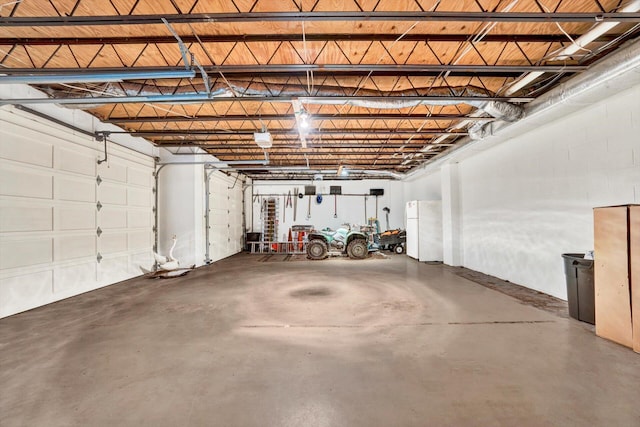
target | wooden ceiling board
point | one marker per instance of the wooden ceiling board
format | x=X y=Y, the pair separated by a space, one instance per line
x=330 y=52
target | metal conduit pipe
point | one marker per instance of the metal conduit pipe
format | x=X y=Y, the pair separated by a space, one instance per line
x=92 y=77
x=582 y=41
x=602 y=79
x=207 y=242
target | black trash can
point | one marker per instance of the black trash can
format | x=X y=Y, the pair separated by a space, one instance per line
x=580 y=293
x=251 y=238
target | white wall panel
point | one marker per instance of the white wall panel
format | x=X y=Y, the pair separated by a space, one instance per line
x=529 y=199
x=49 y=217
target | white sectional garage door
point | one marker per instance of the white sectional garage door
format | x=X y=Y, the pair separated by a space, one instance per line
x=67 y=224
x=225 y=216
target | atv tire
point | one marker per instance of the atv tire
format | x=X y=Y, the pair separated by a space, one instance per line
x=317 y=250
x=399 y=249
x=357 y=249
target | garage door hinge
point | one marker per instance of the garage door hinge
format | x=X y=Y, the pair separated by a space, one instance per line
x=98 y=205
x=99 y=258
x=98 y=180
x=99 y=231
x=153 y=190
x=154 y=229
x=153 y=209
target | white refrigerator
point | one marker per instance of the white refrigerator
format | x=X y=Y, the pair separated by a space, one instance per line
x=424 y=230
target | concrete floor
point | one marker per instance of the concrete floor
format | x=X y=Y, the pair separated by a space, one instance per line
x=378 y=342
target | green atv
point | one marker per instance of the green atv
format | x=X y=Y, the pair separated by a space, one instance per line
x=342 y=241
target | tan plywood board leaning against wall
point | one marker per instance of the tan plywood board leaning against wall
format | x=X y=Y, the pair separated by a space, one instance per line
x=613 y=308
x=634 y=248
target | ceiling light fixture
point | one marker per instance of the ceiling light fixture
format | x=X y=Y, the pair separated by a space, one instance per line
x=302 y=120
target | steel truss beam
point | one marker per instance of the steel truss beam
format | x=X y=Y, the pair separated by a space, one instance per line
x=301 y=152
x=231 y=132
x=313 y=117
x=278 y=70
x=205 y=98
x=415 y=144
x=53 y=21
x=249 y=38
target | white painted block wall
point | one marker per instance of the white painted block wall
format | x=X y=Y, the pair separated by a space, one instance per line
x=350 y=209
x=530 y=199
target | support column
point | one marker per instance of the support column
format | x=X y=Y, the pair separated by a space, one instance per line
x=451 y=215
x=181 y=209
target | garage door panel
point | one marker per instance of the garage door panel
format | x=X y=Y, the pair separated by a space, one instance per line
x=72 y=247
x=25 y=183
x=112 y=217
x=75 y=218
x=139 y=219
x=23 y=292
x=83 y=163
x=115 y=194
x=26 y=218
x=25 y=150
x=75 y=189
x=74 y=279
x=26 y=252
x=49 y=214
x=112 y=242
x=139 y=197
x=113 y=172
x=140 y=240
x=111 y=270
x=140 y=177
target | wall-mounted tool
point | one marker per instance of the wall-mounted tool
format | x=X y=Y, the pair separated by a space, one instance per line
x=287 y=204
x=376 y=192
x=309 y=209
x=386 y=212
x=295 y=203
x=335 y=190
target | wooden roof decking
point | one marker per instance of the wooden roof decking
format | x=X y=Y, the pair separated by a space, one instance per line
x=321 y=51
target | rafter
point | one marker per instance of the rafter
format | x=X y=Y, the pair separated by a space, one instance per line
x=255 y=17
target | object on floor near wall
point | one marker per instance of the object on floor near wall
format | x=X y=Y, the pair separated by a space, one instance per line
x=167 y=274
x=167 y=263
x=617 y=274
x=424 y=230
x=578 y=271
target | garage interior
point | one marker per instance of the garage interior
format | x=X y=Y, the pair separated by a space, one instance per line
x=496 y=132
